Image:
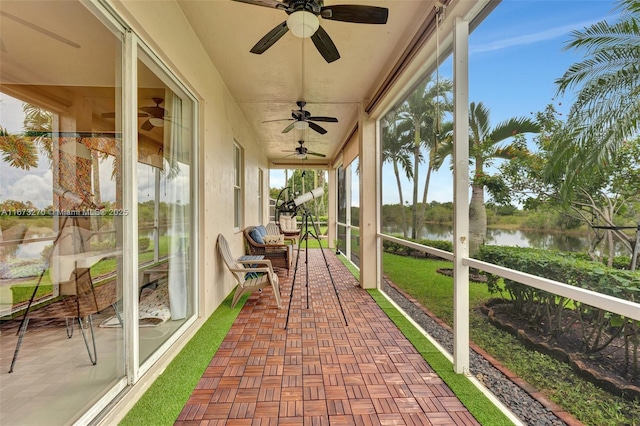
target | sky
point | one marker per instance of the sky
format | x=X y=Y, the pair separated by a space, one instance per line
x=515 y=54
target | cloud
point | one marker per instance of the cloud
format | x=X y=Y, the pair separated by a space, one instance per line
x=527 y=39
x=11 y=113
x=32 y=187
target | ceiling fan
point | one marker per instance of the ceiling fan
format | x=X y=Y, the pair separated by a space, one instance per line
x=303 y=22
x=155 y=115
x=302 y=152
x=303 y=119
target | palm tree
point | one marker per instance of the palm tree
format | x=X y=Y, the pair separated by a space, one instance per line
x=396 y=149
x=37 y=122
x=421 y=115
x=21 y=151
x=606 y=110
x=485 y=144
x=17 y=150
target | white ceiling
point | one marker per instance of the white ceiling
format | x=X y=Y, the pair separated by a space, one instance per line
x=267 y=86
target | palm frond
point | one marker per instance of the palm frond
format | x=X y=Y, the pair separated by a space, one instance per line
x=513 y=127
x=607 y=80
x=603 y=35
x=18 y=151
x=479 y=121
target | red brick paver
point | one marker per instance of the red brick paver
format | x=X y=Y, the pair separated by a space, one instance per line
x=319 y=370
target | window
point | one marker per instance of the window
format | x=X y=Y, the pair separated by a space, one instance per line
x=238 y=159
x=74 y=163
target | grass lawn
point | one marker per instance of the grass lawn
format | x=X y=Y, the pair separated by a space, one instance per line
x=419 y=278
x=162 y=403
x=23 y=291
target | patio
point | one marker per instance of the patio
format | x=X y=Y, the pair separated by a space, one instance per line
x=319 y=370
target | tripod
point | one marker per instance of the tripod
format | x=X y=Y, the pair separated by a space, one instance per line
x=305 y=237
x=83 y=285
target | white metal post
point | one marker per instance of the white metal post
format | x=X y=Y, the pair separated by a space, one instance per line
x=368 y=201
x=461 y=196
x=130 y=204
x=332 y=206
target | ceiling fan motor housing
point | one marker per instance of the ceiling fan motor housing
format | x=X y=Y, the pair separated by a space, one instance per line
x=310 y=6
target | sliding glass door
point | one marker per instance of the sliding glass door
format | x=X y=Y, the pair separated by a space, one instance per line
x=97 y=153
x=61 y=203
x=165 y=138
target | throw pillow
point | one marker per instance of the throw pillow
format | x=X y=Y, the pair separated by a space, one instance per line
x=274 y=239
x=256 y=235
x=262 y=230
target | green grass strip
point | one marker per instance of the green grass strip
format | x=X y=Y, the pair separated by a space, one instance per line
x=476 y=402
x=350 y=266
x=162 y=403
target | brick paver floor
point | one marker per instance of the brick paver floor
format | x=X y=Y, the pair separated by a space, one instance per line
x=319 y=370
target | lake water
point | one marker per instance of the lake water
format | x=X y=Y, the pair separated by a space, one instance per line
x=499 y=237
x=507 y=237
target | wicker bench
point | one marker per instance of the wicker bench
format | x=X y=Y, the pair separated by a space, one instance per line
x=279 y=254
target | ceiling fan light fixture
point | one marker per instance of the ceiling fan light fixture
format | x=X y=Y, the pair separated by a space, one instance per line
x=301 y=125
x=301 y=155
x=303 y=24
x=157 y=122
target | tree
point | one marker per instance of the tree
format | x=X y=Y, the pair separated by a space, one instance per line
x=17 y=150
x=38 y=122
x=21 y=151
x=421 y=115
x=598 y=196
x=396 y=149
x=303 y=181
x=606 y=111
x=485 y=145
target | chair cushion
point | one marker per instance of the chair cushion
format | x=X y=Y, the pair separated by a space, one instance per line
x=262 y=230
x=272 y=228
x=288 y=223
x=256 y=235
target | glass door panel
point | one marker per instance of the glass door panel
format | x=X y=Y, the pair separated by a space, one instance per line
x=165 y=140
x=61 y=212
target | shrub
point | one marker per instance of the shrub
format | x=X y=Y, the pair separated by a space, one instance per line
x=541 y=307
x=143 y=243
x=396 y=248
x=103 y=245
x=21 y=268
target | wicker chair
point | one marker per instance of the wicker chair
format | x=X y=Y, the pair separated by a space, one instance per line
x=279 y=254
x=246 y=273
x=272 y=228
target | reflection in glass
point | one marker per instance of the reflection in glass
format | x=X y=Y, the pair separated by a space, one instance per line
x=61 y=204
x=164 y=206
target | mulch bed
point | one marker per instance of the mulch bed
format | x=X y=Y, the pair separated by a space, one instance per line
x=605 y=368
x=477 y=278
